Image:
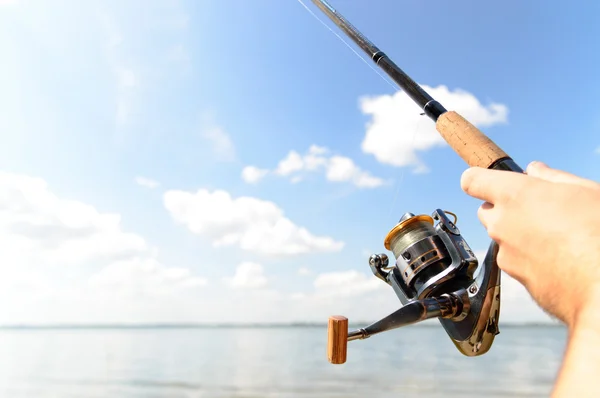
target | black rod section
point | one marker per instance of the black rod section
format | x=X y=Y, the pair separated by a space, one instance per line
x=431 y=107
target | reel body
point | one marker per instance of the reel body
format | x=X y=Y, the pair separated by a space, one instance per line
x=436 y=275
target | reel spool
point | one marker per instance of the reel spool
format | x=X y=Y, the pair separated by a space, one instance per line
x=420 y=253
x=433 y=277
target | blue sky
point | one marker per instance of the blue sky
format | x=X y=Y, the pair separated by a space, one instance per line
x=188 y=95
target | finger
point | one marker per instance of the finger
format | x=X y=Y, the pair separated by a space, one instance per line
x=542 y=171
x=484 y=213
x=507 y=263
x=493 y=185
x=490 y=218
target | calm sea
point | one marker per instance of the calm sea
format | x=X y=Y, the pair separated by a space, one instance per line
x=417 y=361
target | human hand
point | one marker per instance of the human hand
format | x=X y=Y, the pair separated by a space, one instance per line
x=547 y=226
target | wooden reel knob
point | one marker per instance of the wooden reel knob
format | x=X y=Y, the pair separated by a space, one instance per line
x=337 y=339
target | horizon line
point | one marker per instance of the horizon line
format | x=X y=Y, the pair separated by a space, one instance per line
x=225 y=325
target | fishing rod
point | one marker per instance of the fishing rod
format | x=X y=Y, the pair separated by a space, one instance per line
x=434 y=272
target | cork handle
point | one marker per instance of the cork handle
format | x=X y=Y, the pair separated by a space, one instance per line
x=472 y=145
x=337 y=339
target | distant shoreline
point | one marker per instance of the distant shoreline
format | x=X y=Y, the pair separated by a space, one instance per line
x=150 y=326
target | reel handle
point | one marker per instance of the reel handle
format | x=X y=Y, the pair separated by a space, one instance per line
x=448 y=306
x=337 y=339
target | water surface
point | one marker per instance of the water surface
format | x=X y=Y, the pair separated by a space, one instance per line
x=417 y=361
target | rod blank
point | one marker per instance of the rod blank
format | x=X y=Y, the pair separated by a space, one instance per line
x=432 y=108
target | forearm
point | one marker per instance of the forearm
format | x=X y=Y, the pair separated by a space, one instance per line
x=580 y=372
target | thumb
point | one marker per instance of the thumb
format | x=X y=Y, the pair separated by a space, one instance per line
x=540 y=170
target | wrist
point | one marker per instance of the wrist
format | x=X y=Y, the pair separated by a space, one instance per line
x=588 y=316
x=580 y=366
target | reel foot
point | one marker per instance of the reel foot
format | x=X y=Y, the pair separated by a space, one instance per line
x=337 y=339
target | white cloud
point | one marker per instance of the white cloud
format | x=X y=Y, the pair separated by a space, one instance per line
x=360 y=296
x=147 y=182
x=46 y=241
x=64 y=231
x=343 y=169
x=597 y=150
x=144 y=276
x=304 y=271
x=347 y=284
x=248 y=275
x=213 y=133
x=292 y=163
x=396 y=132
x=318 y=159
x=249 y=223
x=252 y=175
x=220 y=141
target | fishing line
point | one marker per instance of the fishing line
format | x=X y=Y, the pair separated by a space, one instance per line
x=348 y=45
x=399 y=183
x=395 y=87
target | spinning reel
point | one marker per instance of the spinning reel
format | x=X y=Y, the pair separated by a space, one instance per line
x=434 y=277
x=436 y=274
